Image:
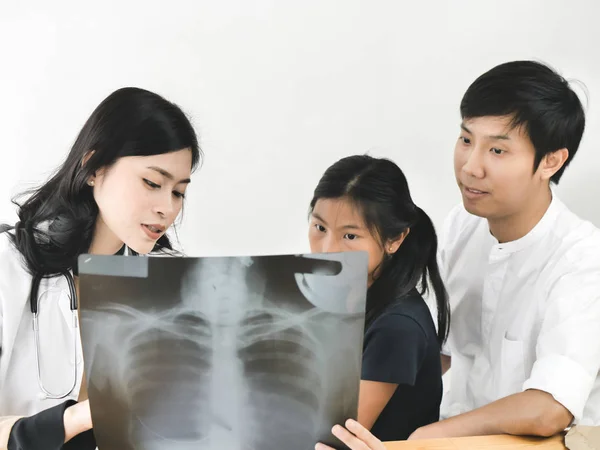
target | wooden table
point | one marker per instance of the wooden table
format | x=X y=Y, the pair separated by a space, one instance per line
x=503 y=442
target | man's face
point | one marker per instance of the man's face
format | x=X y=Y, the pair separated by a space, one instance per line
x=493 y=165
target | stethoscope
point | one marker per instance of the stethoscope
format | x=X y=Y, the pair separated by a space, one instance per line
x=34 y=304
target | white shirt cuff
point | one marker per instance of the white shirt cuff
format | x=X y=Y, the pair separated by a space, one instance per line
x=564 y=379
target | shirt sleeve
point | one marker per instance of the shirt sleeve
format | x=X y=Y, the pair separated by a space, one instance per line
x=45 y=431
x=395 y=347
x=1 y=327
x=568 y=347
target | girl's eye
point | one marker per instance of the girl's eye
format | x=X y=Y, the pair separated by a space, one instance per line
x=178 y=194
x=497 y=151
x=320 y=228
x=151 y=184
x=465 y=140
x=350 y=237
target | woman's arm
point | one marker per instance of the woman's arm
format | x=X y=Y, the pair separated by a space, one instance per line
x=6 y=424
x=76 y=419
x=48 y=430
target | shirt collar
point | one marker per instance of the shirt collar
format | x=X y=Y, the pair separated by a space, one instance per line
x=536 y=233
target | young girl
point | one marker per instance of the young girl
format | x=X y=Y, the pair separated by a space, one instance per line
x=119 y=190
x=363 y=203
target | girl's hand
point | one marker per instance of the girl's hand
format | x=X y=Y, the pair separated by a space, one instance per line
x=354 y=436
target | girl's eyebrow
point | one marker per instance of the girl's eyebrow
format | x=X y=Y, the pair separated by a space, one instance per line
x=349 y=226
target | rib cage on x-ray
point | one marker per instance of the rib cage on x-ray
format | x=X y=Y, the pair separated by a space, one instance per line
x=221 y=374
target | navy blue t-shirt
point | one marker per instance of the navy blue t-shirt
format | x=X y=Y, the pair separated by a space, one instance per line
x=401 y=347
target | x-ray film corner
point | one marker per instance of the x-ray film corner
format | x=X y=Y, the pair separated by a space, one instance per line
x=341 y=293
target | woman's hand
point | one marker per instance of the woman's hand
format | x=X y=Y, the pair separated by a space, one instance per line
x=354 y=436
x=77 y=419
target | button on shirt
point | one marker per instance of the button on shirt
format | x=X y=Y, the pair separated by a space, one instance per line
x=525 y=314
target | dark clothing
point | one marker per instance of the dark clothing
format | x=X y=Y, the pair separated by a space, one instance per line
x=45 y=431
x=401 y=347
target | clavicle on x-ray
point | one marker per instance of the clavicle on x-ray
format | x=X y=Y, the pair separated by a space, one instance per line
x=222 y=353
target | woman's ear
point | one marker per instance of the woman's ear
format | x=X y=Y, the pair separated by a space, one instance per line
x=393 y=245
x=92 y=179
x=86 y=157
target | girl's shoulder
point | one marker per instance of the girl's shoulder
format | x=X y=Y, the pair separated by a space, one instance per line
x=409 y=311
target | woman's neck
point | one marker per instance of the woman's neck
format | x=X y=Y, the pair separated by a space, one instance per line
x=104 y=241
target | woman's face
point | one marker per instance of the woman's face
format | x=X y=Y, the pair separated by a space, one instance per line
x=336 y=226
x=139 y=198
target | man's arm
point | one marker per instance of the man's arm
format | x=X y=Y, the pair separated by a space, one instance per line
x=531 y=412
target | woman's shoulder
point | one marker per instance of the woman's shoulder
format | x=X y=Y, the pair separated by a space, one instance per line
x=12 y=262
x=9 y=255
x=14 y=276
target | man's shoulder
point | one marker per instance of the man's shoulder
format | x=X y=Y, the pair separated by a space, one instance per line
x=575 y=242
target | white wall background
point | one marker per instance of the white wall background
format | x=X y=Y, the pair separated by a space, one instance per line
x=280 y=90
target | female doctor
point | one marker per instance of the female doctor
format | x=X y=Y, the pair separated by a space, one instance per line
x=119 y=190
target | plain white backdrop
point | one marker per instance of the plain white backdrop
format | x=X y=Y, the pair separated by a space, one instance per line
x=280 y=90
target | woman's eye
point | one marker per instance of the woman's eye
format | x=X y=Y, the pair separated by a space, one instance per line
x=465 y=140
x=320 y=228
x=497 y=151
x=178 y=194
x=350 y=237
x=151 y=184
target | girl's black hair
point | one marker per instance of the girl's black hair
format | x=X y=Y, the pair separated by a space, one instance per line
x=378 y=188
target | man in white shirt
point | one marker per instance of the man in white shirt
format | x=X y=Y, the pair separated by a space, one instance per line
x=521 y=270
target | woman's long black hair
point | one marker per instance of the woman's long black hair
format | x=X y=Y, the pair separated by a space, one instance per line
x=57 y=220
x=378 y=188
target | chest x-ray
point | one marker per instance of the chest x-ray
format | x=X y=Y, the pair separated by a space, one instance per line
x=222 y=353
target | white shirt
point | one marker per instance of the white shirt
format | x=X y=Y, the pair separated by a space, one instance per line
x=525 y=314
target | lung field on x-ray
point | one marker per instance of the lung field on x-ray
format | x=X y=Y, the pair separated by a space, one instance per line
x=216 y=353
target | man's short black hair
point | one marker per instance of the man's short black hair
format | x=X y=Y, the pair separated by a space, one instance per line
x=538 y=99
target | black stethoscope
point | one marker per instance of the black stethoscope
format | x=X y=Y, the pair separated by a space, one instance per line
x=73 y=304
x=34 y=305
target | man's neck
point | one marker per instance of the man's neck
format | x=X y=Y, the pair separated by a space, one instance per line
x=516 y=226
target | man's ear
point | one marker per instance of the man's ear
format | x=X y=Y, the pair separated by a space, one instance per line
x=552 y=163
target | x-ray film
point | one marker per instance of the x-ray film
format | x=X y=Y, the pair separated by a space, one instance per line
x=222 y=353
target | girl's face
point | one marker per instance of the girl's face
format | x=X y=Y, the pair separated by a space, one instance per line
x=336 y=226
x=139 y=198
